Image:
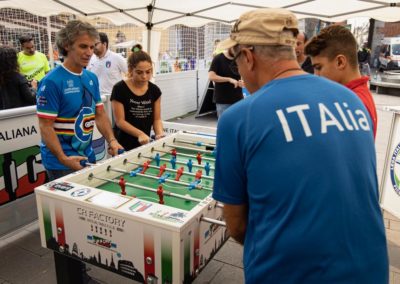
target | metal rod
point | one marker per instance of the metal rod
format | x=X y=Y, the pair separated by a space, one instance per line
x=178 y=162
x=149 y=176
x=219 y=205
x=170 y=170
x=199 y=144
x=165 y=192
x=188 y=148
x=199 y=133
x=184 y=155
x=213 y=221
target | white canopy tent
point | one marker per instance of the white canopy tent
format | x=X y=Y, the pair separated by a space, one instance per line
x=165 y=13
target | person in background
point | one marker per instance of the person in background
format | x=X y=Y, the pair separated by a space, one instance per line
x=227 y=82
x=334 y=55
x=68 y=106
x=302 y=59
x=15 y=90
x=217 y=50
x=136 y=102
x=364 y=58
x=296 y=166
x=177 y=65
x=109 y=66
x=32 y=63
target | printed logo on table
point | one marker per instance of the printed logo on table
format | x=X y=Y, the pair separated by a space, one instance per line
x=140 y=206
x=63 y=186
x=173 y=217
x=395 y=169
x=80 y=192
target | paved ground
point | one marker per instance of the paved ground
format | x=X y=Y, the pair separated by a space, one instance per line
x=23 y=260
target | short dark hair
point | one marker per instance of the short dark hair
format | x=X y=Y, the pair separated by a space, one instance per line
x=25 y=38
x=68 y=35
x=331 y=42
x=104 y=38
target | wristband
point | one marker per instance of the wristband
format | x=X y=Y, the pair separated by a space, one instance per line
x=111 y=140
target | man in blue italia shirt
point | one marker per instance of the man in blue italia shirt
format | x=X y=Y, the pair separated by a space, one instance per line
x=296 y=166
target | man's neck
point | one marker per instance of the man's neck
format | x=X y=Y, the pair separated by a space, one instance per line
x=277 y=70
x=103 y=54
x=301 y=59
x=227 y=55
x=349 y=76
x=70 y=66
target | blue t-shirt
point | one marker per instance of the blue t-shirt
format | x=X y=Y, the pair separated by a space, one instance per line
x=300 y=153
x=70 y=100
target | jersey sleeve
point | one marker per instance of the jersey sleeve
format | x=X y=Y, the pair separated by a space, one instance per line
x=46 y=64
x=123 y=64
x=230 y=174
x=117 y=92
x=47 y=100
x=214 y=64
x=96 y=95
x=156 y=92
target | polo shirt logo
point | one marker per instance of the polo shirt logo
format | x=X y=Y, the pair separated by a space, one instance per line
x=108 y=64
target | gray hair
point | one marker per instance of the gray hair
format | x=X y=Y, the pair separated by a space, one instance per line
x=68 y=35
x=275 y=52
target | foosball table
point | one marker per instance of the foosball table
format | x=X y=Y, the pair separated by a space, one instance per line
x=146 y=214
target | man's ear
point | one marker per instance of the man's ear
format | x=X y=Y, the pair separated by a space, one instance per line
x=341 y=62
x=249 y=59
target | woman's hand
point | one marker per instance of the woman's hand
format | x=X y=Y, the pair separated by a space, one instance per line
x=143 y=139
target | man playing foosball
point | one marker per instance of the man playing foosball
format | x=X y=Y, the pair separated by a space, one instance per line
x=296 y=166
x=68 y=105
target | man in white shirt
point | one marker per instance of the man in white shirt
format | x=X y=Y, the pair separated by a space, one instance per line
x=107 y=65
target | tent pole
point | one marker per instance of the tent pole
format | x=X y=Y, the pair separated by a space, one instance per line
x=51 y=55
x=149 y=24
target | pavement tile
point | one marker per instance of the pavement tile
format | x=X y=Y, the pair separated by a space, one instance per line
x=209 y=272
x=31 y=242
x=231 y=253
x=393 y=237
x=394 y=257
x=13 y=258
x=394 y=225
x=395 y=278
x=228 y=274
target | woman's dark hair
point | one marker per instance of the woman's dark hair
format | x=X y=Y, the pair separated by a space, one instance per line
x=8 y=63
x=138 y=55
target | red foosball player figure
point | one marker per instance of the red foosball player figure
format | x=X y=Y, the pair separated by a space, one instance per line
x=198 y=175
x=179 y=173
x=198 y=157
x=173 y=152
x=122 y=184
x=145 y=167
x=160 y=193
x=162 y=170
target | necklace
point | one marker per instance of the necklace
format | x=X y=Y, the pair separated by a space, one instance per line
x=286 y=70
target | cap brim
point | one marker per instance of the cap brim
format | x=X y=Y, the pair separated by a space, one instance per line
x=226 y=44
